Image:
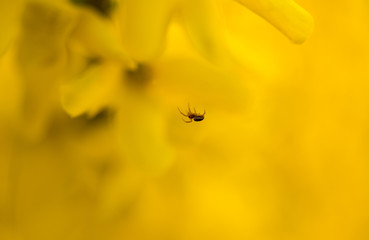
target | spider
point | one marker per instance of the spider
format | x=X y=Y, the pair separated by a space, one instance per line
x=192 y=115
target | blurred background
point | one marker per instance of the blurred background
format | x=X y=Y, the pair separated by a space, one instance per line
x=92 y=145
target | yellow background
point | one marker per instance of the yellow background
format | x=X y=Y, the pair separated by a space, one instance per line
x=283 y=151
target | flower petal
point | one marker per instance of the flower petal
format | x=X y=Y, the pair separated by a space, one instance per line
x=41 y=59
x=10 y=12
x=91 y=91
x=291 y=19
x=144 y=26
x=202 y=20
x=96 y=34
x=142 y=131
x=10 y=94
x=183 y=75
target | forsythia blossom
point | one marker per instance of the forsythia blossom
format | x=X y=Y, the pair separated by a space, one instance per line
x=93 y=147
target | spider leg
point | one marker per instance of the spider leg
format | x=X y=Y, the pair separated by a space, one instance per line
x=181 y=112
x=204 y=112
x=187 y=121
x=189 y=109
x=195 y=110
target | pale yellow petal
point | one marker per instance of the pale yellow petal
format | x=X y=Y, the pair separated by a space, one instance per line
x=41 y=59
x=91 y=90
x=203 y=23
x=290 y=18
x=188 y=80
x=41 y=45
x=10 y=12
x=97 y=35
x=144 y=26
x=142 y=133
x=185 y=76
x=10 y=91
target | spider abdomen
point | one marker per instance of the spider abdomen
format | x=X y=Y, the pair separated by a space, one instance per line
x=198 y=118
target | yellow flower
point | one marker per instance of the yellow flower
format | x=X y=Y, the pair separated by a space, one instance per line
x=92 y=145
x=286 y=15
x=144 y=19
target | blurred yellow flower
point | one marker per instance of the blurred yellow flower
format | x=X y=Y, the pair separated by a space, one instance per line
x=144 y=19
x=92 y=145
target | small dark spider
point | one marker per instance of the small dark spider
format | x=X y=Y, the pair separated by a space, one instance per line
x=192 y=115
